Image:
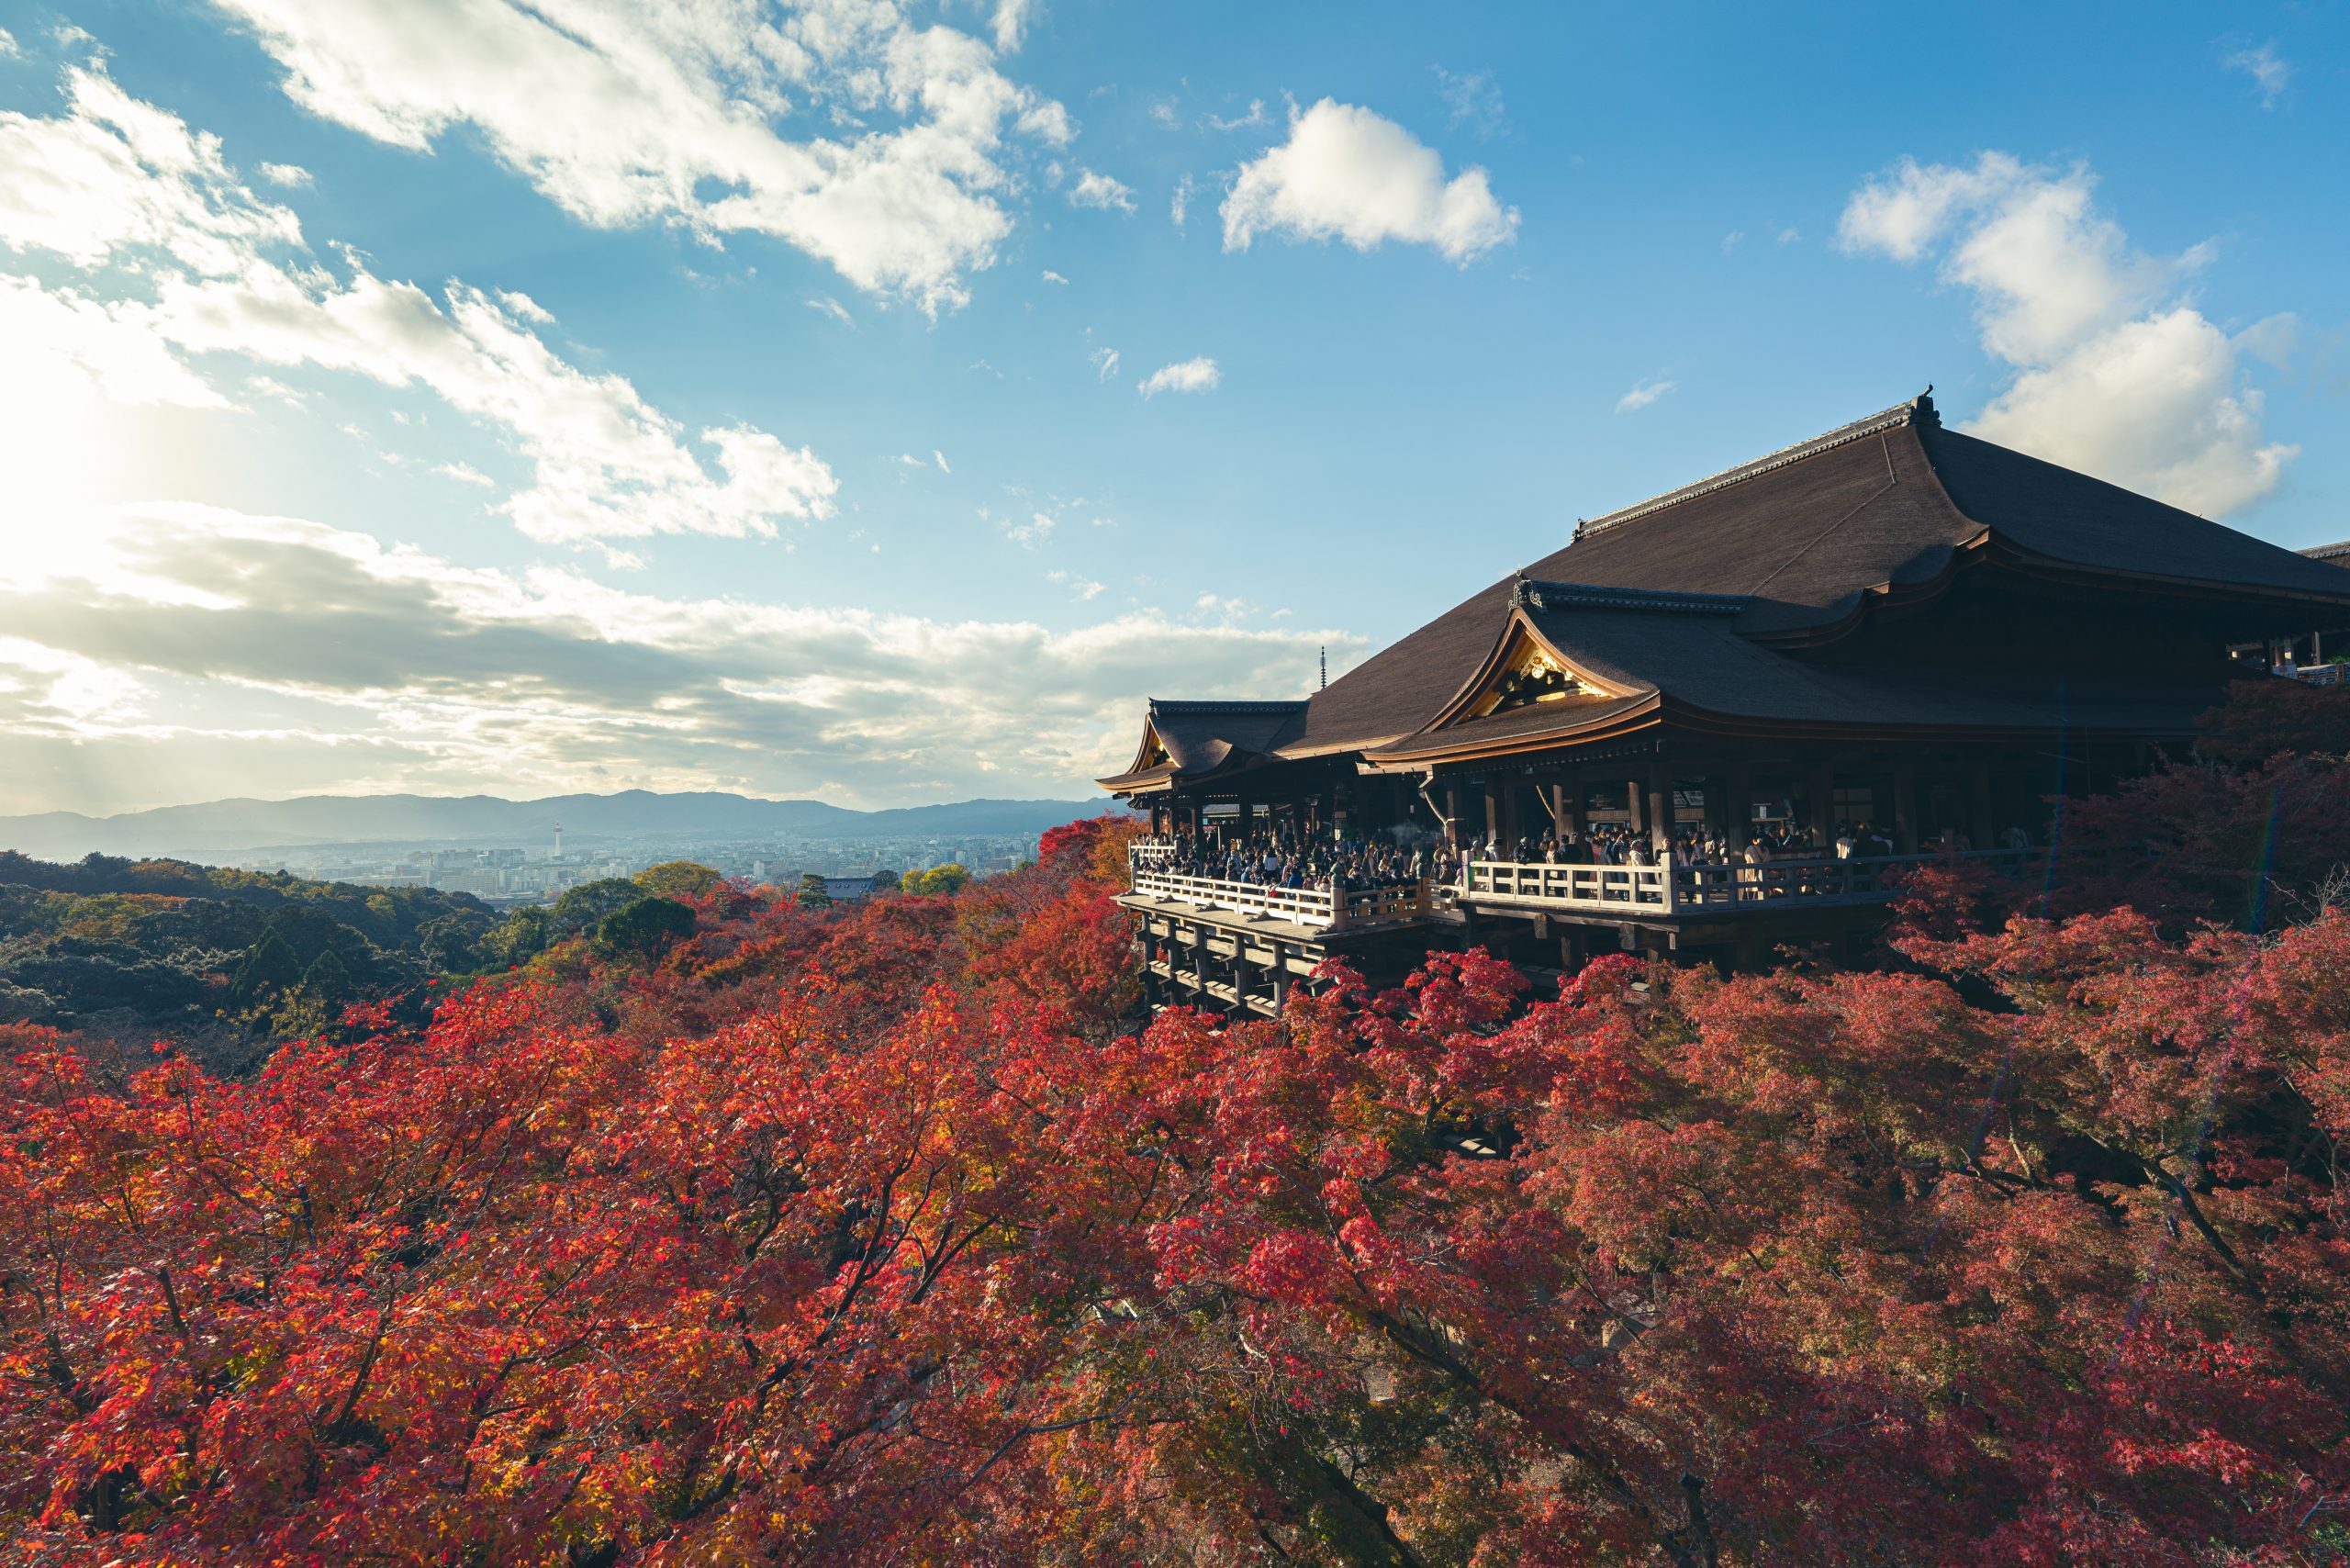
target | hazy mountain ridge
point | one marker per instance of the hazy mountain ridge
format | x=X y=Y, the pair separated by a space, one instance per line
x=215 y=825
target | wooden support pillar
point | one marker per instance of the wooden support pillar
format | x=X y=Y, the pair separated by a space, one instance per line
x=1823 y=804
x=1452 y=816
x=1634 y=803
x=1905 y=807
x=1559 y=825
x=1575 y=805
x=1280 y=978
x=1493 y=813
x=1980 y=828
x=1739 y=805
x=1660 y=803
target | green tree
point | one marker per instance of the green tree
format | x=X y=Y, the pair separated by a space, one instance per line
x=588 y=903
x=270 y=966
x=326 y=981
x=812 y=894
x=678 y=879
x=521 y=937
x=450 y=943
x=646 y=929
x=885 y=880
x=947 y=878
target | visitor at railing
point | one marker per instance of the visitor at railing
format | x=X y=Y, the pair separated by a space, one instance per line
x=1284 y=858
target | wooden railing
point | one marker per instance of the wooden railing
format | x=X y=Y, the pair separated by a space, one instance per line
x=1665 y=889
x=1668 y=889
x=1149 y=852
x=1299 y=906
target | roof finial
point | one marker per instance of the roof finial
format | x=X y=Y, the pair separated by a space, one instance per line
x=1923 y=407
x=1326 y=663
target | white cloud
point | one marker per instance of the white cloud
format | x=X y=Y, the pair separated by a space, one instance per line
x=1012 y=19
x=908 y=460
x=7 y=43
x=292 y=176
x=118 y=180
x=1052 y=276
x=519 y=304
x=2114 y=371
x=1475 y=100
x=1186 y=375
x=1346 y=173
x=1731 y=241
x=826 y=306
x=272 y=644
x=1164 y=112
x=1085 y=588
x=2270 y=73
x=115 y=174
x=1254 y=116
x=1033 y=532
x=1179 y=206
x=940 y=458
x=465 y=474
x=1099 y=191
x=625 y=114
x=1105 y=363
x=1643 y=393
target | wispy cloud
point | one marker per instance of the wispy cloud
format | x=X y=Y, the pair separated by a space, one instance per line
x=1105 y=363
x=1185 y=376
x=1643 y=394
x=1475 y=100
x=292 y=176
x=1179 y=207
x=465 y=474
x=1254 y=116
x=1099 y=191
x=826 y=306
x=1052 y=276
x=2270 y=71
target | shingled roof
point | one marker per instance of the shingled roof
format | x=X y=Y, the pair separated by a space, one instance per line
x=1188 y=739
x=1785 y=550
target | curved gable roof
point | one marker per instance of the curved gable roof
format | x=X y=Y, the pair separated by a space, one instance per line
x=1803 y=535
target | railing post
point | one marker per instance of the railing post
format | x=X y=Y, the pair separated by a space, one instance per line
x=1337 y=905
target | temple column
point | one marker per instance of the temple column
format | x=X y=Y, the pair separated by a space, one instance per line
x=1980 y=828
x=1635 y=804
x=1493 y=813
x=1452 y=816
x=1823 y=804
x=1738 y=803
x=1575 y=805
x=1660 y=805
x=1905 y=807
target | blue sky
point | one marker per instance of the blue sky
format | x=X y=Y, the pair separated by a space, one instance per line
x=464 y=396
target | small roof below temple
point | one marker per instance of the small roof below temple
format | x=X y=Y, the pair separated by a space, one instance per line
x=1696 y=600
x=1187 y=741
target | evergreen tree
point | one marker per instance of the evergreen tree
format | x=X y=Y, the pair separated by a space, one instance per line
x=268 y=966
x=326 y=980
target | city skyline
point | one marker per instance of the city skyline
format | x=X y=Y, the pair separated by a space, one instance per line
x=870 y=403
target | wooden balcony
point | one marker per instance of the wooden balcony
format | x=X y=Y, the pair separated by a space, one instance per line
x=1662 y=892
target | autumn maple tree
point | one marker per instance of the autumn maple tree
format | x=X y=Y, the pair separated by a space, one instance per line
x=890 y=1234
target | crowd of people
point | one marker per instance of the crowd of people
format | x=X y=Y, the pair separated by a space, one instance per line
x=1286 y=858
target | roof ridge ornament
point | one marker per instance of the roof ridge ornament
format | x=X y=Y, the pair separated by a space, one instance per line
x=1533 y=593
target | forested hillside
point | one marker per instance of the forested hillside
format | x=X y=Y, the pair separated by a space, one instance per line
x=221 y=960
x=740 y=1230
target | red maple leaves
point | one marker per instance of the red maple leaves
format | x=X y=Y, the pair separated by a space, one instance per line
x=866 y=1236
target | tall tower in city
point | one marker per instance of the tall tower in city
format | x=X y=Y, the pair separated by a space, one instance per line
x=558 y=841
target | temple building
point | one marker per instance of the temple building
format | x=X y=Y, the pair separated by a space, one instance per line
x=1889 y=640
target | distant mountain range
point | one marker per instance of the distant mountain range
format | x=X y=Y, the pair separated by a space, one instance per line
x=216 y=827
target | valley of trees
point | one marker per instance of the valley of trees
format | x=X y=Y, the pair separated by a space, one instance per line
x=745 y=1230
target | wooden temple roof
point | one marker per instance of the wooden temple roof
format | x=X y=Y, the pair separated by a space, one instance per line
x=1695 y=605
